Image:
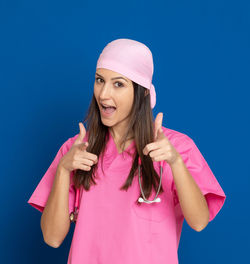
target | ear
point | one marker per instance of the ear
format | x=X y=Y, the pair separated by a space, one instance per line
x=146 y=92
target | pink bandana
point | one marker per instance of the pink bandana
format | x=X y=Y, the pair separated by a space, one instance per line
x=132 y=59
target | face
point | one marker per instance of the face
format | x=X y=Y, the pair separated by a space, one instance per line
x=114 y=89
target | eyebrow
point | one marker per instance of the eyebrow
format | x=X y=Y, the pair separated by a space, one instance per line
x=113 y=78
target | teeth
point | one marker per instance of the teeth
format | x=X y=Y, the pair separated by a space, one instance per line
x=107 y=105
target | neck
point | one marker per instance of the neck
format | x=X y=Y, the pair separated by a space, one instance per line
x=117 y=134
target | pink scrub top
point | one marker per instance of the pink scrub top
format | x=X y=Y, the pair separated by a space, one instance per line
x=110 y=227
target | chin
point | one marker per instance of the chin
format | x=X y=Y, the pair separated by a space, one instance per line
x=106 y=122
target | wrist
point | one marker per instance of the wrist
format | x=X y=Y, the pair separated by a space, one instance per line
x=178 y=160
x=61 y=169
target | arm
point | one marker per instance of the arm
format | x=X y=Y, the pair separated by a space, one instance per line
x=55 y=221
x=192 y=201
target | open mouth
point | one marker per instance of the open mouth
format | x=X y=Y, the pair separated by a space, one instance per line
x=108 y=109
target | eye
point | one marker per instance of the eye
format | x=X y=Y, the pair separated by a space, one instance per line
x=119 y=83
x=97 y=79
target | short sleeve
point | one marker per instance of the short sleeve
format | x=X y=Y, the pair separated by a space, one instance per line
x=41 y=193
x=203 y=176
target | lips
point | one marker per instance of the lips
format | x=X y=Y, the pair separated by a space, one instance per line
x=105 y=105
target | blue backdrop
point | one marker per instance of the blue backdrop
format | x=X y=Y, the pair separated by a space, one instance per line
x=48 y=55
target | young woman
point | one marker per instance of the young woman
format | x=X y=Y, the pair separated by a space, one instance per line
x=138 y=180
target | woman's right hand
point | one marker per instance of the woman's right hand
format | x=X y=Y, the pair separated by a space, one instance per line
x=77 y=157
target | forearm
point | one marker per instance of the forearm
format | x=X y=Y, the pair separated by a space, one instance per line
x=55 y=221
x=192 y=201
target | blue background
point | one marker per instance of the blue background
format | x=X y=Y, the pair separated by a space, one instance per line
x=48 y=55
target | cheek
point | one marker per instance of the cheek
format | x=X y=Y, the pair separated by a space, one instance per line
x=130 y=100
x=126 y=103
x=96 y=93
x=95 y=90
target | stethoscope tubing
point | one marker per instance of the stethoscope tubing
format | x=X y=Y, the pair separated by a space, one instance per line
x=144 y=200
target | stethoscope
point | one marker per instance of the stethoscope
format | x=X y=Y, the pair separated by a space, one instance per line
x=144 y=200
x=74 y=214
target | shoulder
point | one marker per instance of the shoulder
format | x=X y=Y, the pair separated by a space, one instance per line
x=178 y=139
x=174 y=135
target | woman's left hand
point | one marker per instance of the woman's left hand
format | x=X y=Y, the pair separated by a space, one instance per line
x=161 y=149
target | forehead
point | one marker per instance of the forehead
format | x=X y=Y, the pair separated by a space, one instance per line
x=110 y=73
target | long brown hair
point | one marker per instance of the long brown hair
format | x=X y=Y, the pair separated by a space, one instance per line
x=141 y=125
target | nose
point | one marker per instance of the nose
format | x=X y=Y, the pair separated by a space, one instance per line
x=105 y=91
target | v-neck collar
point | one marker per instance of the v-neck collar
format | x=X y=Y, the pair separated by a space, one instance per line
x=114 y=148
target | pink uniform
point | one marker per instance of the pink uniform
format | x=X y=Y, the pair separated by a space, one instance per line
x=110 y=227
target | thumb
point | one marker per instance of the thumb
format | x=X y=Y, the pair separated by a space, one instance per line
x=159 y=134
x=81 y=135
x=158 y=124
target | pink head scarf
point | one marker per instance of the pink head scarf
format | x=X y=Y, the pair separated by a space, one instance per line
x=132 y=59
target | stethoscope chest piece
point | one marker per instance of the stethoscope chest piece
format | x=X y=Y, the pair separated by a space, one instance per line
x=73 y=215
x=157 y=200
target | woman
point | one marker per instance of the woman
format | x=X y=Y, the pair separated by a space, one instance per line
x=116 y=222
